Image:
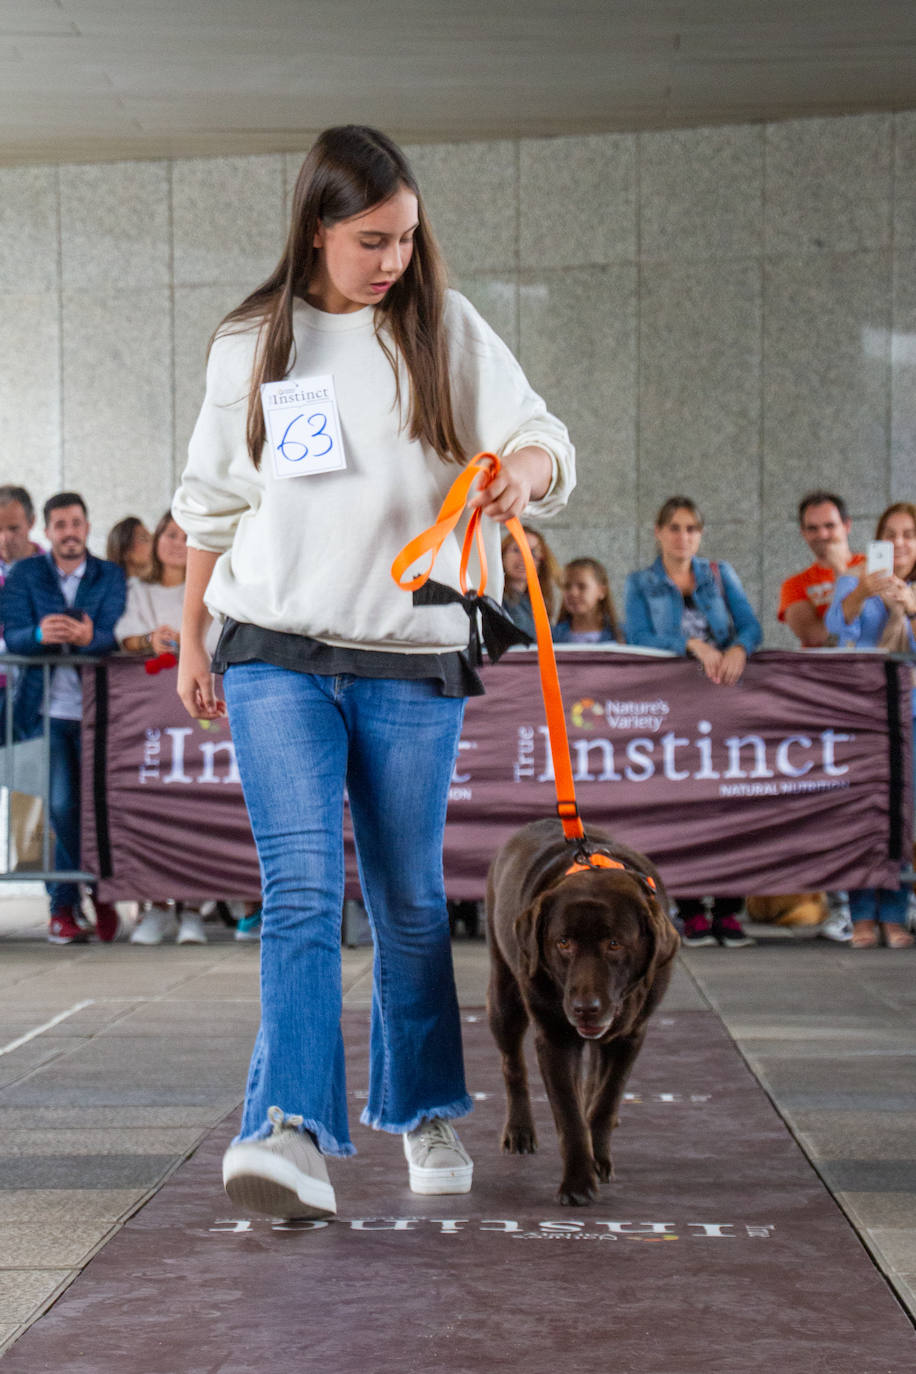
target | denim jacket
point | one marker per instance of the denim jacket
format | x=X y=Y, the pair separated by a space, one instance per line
x=654 y=607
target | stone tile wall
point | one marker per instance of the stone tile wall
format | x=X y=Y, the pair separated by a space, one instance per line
x=728 y=312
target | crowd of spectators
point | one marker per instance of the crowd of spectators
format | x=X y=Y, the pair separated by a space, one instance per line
x=65 y=598
x=697 y=607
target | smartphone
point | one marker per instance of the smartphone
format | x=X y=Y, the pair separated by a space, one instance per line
x=78 y=615
x=880 y=556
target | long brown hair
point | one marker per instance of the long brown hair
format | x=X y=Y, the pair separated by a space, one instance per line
x=120 y=538
x=157 y=571
x=548 y=568
x=898 y=508
x=349 y=170
x=669 y=510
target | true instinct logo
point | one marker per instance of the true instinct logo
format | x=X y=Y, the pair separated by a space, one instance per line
x=593 y=1229
x=167 y=759
x=296 y=395
x=742 y=759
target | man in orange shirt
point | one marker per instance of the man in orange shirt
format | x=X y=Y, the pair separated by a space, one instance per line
x=825 y=525
x=803 y=601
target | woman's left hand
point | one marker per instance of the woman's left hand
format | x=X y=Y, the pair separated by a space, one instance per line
x=523 y=476
x=731 y=666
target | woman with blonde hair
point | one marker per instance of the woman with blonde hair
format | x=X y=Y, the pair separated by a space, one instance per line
x=333 y=679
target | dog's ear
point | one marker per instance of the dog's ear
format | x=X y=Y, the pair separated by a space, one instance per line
x=664 y=942
x=529 y=932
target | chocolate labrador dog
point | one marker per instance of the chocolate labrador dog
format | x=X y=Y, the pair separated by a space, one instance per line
x=586 y=956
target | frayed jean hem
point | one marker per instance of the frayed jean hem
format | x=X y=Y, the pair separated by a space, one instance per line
x=327 y=1143
x=461 y=1107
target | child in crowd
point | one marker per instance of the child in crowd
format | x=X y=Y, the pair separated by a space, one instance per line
x=588 y=615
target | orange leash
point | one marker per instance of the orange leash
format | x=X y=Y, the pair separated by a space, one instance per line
x=430 y=542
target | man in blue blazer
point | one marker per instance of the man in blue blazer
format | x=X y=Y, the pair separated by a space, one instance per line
x=66 y=601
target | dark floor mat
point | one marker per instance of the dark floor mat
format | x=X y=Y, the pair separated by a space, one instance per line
x=716 y=1250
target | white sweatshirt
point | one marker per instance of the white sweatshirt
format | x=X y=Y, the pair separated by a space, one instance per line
x=311 y=555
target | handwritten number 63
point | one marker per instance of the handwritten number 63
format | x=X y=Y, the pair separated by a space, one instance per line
x=294 y=450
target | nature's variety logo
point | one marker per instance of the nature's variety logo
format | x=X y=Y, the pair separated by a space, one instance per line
x=583 y=712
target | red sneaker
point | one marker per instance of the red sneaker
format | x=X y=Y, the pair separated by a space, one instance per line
x=63 y=930
x=107 y=921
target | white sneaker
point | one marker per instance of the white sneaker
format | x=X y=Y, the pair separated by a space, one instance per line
x=154 y=925
x=438 y=1161
x=191 y=931
x=282 y=1176
x=838 y=925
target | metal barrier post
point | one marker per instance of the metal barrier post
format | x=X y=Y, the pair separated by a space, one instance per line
x=21 y=757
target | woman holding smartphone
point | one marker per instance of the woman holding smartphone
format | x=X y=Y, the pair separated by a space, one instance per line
x=332 y=677
x=878 y=611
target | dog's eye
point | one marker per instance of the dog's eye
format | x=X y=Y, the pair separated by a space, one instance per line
x=564 y=945
x=612 y=944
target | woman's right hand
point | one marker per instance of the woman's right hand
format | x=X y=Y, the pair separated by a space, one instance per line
x=876 y=584
x=164 y=639
x=708 y=657
x=196 y=684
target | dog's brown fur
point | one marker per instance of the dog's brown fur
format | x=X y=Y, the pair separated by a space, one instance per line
x=587 y=958
x=789 y=909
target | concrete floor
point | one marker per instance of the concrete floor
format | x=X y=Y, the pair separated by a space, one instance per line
x=115 y=1061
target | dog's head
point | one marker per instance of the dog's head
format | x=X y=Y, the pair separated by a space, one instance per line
x=602 y=936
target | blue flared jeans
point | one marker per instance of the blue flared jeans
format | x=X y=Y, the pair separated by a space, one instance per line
x=301 y=739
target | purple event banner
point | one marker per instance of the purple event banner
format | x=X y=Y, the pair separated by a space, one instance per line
x=798 y=778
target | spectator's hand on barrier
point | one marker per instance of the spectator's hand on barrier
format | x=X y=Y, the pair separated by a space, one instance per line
x=732 y=666
x=708 y=657
x=164 y=639
x=196 y=685
x=523 y=476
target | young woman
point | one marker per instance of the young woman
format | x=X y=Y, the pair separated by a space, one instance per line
x=588 y=607
x=516 y=599
x=878 y=611
x=152 y=617
x=332 y=677
x=130 y=545
x=688 y=605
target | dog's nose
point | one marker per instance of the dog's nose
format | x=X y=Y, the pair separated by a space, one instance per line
x=585 y=1007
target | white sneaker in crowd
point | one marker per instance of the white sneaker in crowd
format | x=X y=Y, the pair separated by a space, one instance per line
x=191 y=931
x=438 y=1161
x=155 y=924
x=282 y=1176
x=838 y=925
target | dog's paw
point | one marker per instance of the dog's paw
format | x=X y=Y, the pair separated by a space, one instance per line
x=577 y=1192
x=519 y=1140
x=604 y=1168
